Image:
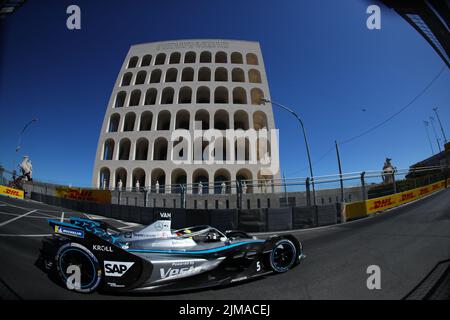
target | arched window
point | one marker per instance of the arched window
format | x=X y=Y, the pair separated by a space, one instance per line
x=105 y=177
x=160 y=59
x=156 y=76
x=221 y=120
x=187 y=74
x=114 y=122
x=236 y=57
x=135 y=98
x=203 y=117
x=133 y=62
x=221 y=95
x=204 y=74
x=241 y=120
x=263 y=150
x=171 y=75
x=205 y=57
x=158 y=177
x=203 y=95
x=146 y=60
x=239 y=96
x=245 y=177
x=121 y=175
x=108 y=149
x=126 y=80
x=222 y=176
x=124 y=149
x=185 y=95
x=254 y=76
x=252 y=58
x=141 y=149
x=256 y=95
x=163 y=120
x=200 y=177
x=221 y=57
x=221 y=74
x=140 y=77
x=242 y=149
x=150 y=97
x=189 y=57
x=130 y=119
x=167 y=96
x=120 y=99
x=259 y=120
x=175 y=58
x=178 y=177
x=138 y=175
x=182 y=120
x=237 y=75
x=146 y=121
x=160 y=149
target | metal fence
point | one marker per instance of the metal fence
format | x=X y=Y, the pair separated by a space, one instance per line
x=269 y=193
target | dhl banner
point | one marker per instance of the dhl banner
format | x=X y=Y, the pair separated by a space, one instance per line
x=10 y=192
x=367 y=207
x=101 y=196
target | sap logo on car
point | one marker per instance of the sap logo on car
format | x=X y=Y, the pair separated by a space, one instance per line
x=98 y=247
x=116 y=268
x=69 y=231
x=172 y=272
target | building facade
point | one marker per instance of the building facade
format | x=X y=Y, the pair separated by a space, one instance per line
x=204 y=89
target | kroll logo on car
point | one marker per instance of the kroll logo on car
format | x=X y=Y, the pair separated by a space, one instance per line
x=69 y=231
x=116 y=268
x=103 y=248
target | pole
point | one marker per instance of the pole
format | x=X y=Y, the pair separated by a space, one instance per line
x=304 y=136
x=340 y=170
x=440 y=124
x=435 y=134
x=285 y=191
x=426 y=123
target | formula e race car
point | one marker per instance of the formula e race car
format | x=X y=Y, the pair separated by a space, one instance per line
x=87 y=255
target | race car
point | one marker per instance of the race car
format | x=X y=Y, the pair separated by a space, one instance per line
x=86 y=255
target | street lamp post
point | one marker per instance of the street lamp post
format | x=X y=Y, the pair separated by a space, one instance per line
x=264 y=100
x=440 y=124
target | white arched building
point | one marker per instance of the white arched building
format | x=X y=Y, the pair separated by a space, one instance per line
x=194 y=86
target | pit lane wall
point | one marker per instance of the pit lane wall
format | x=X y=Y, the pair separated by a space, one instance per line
x=360 y=209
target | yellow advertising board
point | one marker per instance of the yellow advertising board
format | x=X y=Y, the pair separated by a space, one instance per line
x=367 y=207
x=101 y=196
x=10 y=192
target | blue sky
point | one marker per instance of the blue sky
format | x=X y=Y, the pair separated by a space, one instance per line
x=320 y=58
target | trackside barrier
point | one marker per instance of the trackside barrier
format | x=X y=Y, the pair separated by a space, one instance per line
x=10 y=192
x=361 y=209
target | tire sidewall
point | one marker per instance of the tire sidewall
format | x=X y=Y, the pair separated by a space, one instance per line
x=97 y=277
x=271 y=256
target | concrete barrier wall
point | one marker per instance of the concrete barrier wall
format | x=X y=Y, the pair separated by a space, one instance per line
x=362 y=209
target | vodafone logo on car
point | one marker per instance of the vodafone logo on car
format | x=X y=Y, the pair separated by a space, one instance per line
x=116 y=268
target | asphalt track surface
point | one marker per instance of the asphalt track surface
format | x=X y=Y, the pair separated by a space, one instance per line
x=406 y=243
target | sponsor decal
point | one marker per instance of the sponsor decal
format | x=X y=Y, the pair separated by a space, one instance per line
x=407 y=196
x=116 y=268
x=101 y=196
x=165 y=215
x=69 y=231
x=115 y=285
x=382 y=203
x=103 y=248
x=172 y=272
x=10 y=192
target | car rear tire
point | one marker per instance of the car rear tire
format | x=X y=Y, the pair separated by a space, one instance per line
x=283 y=256
x=78 y=268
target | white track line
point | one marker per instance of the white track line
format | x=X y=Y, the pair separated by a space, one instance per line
x=16 y=218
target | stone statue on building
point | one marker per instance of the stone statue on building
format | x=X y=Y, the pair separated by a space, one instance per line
x=200 y=188
x=223 y=187
x=388 y=171
x=26 y=168
x=157 y=186
x=104 y=184
x=137 y=185
x=244 y=187
x=119 y=184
